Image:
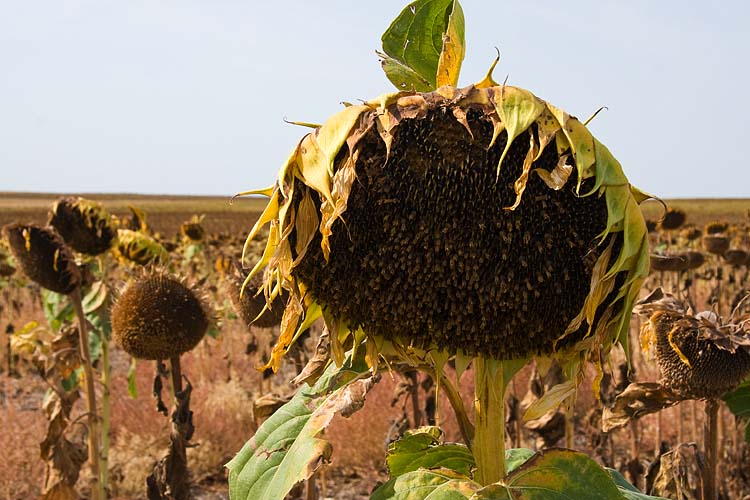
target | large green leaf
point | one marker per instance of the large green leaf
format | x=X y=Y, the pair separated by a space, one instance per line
x=423 y=448
x=424 y=46
x=555 y=475
x=288 y=448
x=433 y=484
x=738 y=402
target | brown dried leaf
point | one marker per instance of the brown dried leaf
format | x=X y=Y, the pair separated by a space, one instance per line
x=637 y=400
x=318 y=363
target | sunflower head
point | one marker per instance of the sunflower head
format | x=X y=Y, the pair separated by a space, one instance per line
x=193 y=230
x=669 y=262
x=716 y=243
x=85 y=225
x=250 y=303
x=43 y=256
x=692 y=362
x=673 y=219
x=140 y=249
x=737 y=257
x=480 y=220
x=157 y=317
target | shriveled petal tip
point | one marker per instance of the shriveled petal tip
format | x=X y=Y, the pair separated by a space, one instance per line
x=518 y=109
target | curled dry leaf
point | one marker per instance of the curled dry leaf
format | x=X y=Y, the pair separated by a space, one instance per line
x=637 y=400
x=317 y=364
x=266 y=405
x=64 y=457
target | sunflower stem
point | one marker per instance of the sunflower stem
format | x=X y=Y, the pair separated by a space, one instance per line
x=176 y=375
x=489 y=438
x=710 y=443
x=106 y=413
x=457 y=403
x=88 y=374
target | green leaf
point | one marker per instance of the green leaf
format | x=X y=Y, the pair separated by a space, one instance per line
x=738 y=402
x=71 y=382
x=437 y=484
x=423 y=448
x=555 y=475
x=424 y=47
x=629 y=491
x=515 y=457
x=132 y=387
x=288 y=448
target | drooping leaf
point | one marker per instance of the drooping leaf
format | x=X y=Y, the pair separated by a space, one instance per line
x=424 y=448
x=288 y=448
x=443 y=484
x=550 y=400
x=423 y=48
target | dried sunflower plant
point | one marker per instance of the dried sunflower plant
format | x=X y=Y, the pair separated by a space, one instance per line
x=479 y=225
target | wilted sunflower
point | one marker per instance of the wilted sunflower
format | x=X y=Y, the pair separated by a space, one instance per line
x=480 y=220
x=140 y=248
x=43 y=256
x=699 y=356
x=192 y=229
x=84 y=225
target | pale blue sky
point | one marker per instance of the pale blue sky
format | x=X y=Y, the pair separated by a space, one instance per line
x=189 y=96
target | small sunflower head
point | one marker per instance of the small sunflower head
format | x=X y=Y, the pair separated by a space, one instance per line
x=140 y=249
x=43 y=256
x=158 y=316
x=736 y=257
x=715 y=243
x=193 y=230
x=480 y=220
x=692 y=233
x=673 y=219
x=669 y=262
x=84 y=225
x=716 y=227
x=250 y=303
x=694 y=259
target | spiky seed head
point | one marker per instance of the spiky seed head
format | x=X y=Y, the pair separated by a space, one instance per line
x=737 y=257
x=251 y=302
x=84 y=225
x=716 y=227
x=673 y=219
x=158 y=316
x=454 y=220
x=669 y=262
x=715 y=243
x=43 y=256
x=691 y=365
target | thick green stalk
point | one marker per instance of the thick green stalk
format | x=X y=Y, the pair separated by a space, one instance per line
x=88 y=374
x=489 y=405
